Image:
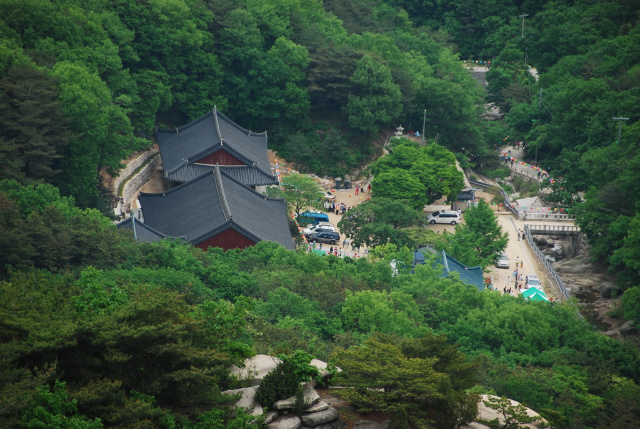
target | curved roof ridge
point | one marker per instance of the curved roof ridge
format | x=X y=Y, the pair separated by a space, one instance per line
x=263 y=196
x=445 y=263
x=246 y=131
x=176 y=189
x=215 y=121
x=221 y=193
x=144 y=225
x=184 y=127
x=455 y=260
x=178 y=167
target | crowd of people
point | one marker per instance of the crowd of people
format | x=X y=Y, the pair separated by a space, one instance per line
x=340 y=209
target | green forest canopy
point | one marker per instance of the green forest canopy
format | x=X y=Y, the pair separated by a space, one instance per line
x=82 y=85
x=146 y=332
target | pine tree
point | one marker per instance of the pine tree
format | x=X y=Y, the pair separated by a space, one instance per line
x=33 y=128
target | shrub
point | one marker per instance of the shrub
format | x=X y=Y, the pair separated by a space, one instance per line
x=284 y=381
x=499 y=173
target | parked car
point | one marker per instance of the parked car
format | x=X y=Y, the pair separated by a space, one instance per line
x=318 y=228
x=312 y=216
x=444 y=216
x=320 y=224
x=532 y=281
x=330 y=237
x=502 y=261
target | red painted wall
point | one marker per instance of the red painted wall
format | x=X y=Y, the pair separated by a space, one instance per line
x=221 y=157
x=227 y=239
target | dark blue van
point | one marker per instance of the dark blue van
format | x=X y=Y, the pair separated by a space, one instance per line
x=306 y=218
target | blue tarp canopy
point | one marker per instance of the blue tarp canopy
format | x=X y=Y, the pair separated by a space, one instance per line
x=534 y=294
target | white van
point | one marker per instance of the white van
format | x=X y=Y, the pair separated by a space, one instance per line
x=444 y=216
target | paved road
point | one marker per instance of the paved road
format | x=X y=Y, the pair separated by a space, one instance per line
x=524 y=168
x=516 y=247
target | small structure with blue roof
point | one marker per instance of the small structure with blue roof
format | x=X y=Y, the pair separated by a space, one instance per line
x=470 y=275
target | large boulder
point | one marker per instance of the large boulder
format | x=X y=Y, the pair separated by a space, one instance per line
x=336 y=424
x=540 y=241
x=255 y=368
x=615 y=334
x=486 y=413
x=320 y=417
x=318 y=406
x=247 y=400
x=474 y=425
x=286 y=422
x=271 y=416
x=606 y=288
x=627 y=328
x=309 y=397
x=322 y=367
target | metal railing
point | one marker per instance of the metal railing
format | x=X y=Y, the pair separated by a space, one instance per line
x=554 y=229
x=479 y=183
x=547 y=216
x=505 y=196
x=562 y=291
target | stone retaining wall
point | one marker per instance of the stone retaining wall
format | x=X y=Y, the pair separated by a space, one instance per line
x=130 y=188
x=128 y=170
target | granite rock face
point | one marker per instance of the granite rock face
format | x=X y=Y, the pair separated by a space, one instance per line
x=286 y=422
x=314 y=414
x=320 y=417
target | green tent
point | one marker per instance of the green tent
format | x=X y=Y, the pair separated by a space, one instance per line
x=534 y=294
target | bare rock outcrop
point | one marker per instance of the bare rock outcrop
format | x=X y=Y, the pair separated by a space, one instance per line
x=314 y=413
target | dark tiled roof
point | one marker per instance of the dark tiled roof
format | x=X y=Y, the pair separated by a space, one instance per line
x=247 y=175
x=211 y=203
x=141 y=231
x=182 y=147
x=469 y=275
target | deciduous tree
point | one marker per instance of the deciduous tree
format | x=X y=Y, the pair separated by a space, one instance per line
x=300 y=191
x=479 y=239
x=379 y=221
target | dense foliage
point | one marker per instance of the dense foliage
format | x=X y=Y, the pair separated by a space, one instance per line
x=82 y=85
x=147 y=339
x=98 y=330
x=418 y=174
x=414 y=380
x=585 y=54
x=479 y=240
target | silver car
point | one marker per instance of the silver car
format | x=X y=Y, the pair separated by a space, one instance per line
x=532 y=281
x=502 y=261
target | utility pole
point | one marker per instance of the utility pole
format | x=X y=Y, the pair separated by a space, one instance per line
x=523 y=16
x=540 y=100
x=424 y=120
x=620 y=126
